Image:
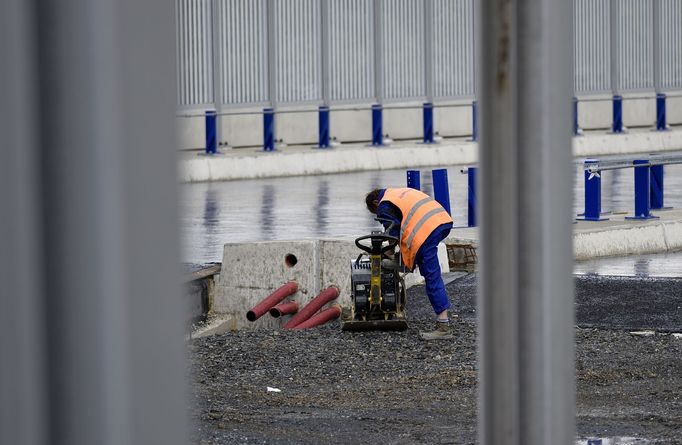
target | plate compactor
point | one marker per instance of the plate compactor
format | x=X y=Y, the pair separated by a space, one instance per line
x=377 y=286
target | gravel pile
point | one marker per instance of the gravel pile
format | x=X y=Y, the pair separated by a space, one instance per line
x=393 y=388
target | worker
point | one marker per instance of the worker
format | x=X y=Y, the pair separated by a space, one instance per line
x=420 y=223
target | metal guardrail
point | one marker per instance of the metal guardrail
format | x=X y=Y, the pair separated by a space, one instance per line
x=648 y=185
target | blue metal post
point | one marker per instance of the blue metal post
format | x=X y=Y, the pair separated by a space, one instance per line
x=474 y=121
x=211 y=134
x=323 y=126
x=592 y=193
x=576 y=127
x=642 y=177
x=441 y=192
x=617 y=126
x=656 y=187
x=413 y=179
x=661 y=124
x=428 y=123
x=268 y=129
x=471 y=196
x=377 y=126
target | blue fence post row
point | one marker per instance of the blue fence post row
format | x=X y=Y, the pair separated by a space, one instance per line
x=642 y=190
x=211 y=133
x=661 y=122
x=474 y=121
x=592 y=193
x=441 y=192
x=268 y=129
x=413 y=179
x=323 y=127
x=428 y=123
x=471 y=196
x=617 y=126
x=377 y=126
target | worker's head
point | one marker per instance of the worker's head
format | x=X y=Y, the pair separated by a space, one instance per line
x=372 y=200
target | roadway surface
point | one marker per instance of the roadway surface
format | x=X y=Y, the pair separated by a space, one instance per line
x=340 y=387
x=332 y=206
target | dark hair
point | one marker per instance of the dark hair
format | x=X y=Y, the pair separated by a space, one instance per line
x=371 y=199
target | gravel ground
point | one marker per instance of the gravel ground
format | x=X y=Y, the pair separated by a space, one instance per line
x=392 y=388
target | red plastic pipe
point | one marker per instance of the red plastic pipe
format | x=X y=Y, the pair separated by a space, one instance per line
x=331 y=313
x=288 y=307
x=315 y=304
x=280 y=294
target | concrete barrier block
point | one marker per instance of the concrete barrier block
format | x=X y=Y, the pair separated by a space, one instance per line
x=242 y=131
x=673 y=110
x=451 y=122
x=595 y=114
x=351 y=125
x=298 y=128
x=403 y=123
x=191 y=132
x=335 y=259
x=639 y=112
x=251 y=271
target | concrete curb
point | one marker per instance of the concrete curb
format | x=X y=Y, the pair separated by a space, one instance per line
x=615 y=237
x=652 y=237
x=252 y=163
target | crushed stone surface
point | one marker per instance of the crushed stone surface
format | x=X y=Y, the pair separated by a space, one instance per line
x=393 y=388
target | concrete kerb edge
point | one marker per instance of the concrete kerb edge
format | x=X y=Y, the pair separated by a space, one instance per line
x=306 y=161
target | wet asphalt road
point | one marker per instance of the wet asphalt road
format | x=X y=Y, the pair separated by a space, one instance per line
x=332 y=206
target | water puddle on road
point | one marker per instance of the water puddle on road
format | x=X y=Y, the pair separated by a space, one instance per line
x=332 y=206
x=662 y=265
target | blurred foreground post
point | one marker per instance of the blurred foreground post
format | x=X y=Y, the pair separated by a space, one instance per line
x=91 y=327
x=526 y=289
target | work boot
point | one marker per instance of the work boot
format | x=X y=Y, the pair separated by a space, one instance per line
x=443 y=331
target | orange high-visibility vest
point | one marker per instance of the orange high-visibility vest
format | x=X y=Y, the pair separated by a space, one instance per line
x=421 y=216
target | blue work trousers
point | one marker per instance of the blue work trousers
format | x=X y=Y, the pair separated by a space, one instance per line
x=429 y=268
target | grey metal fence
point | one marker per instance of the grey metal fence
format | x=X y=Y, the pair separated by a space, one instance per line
x=258 y=52
x=669 y=26
x=194 y=51
x=351 y=50
x=403 y=49
x=635 y=48
x=452 y=51
x=298 y=50
x=243 y=51
x=592 y=45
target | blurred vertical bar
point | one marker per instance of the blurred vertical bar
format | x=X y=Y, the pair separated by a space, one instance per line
x=526 y=291
x=23 y=371
x=92 y=338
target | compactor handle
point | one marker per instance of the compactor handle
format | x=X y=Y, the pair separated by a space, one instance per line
x=391 y=240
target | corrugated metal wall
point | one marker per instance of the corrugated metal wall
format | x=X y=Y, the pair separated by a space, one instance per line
x=243 y=51
x=670 y=19
x=266 y=46
x=403 y=49
x=635 y=45
x=351 y=49
x=194 y=52
x=592 y=45
x=453 y=48
x=298 y=57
